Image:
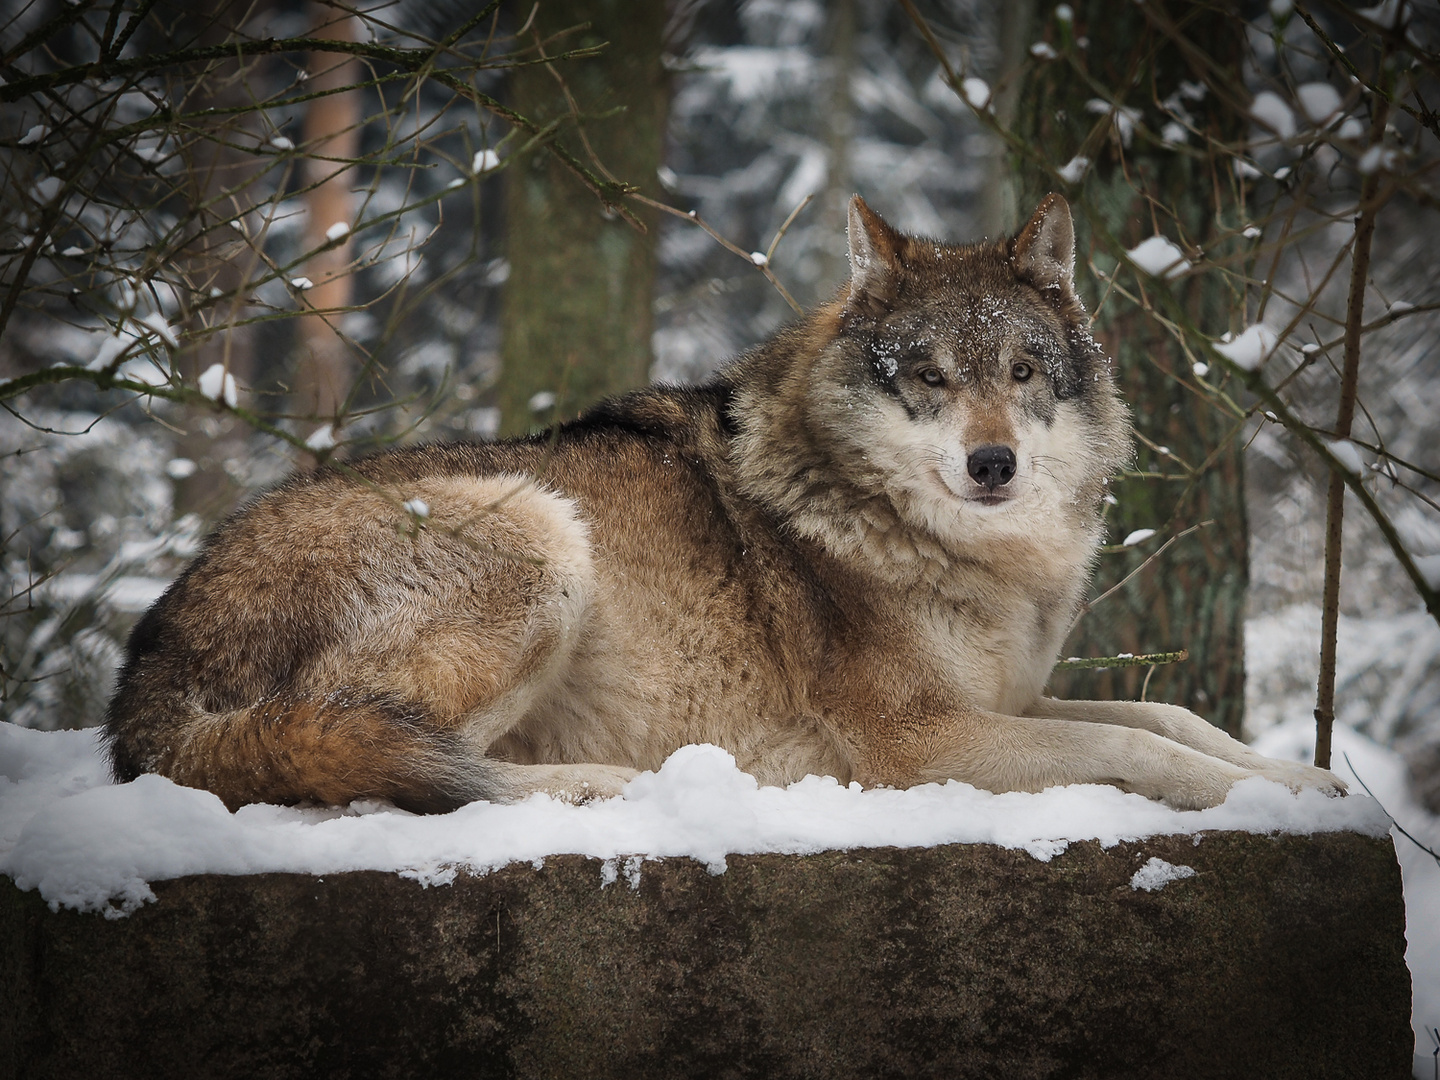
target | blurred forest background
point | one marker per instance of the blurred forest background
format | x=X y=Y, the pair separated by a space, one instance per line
x=241 y=238
x=238 y=239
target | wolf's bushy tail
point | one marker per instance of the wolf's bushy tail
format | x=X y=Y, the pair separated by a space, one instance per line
x=285 y=749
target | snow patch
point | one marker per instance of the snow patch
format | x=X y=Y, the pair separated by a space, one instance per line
x=1160 y=258
x=976 y=91
x=1157 y=873
x=1124 y=117
x=156 y=322
x=1174 y=133
x=322 y=438
x=46 y=188
x=1250 y=348
x=130 y=593
x=754 y=72
x=1348 y=454
x=1378 y=159
x=1074 y=170
x=1270 y=109
x=1319 y=101
x=215 y=381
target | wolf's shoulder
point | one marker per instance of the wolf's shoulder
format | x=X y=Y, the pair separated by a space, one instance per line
x=674 y=414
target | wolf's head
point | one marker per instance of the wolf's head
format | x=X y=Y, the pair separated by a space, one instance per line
x=954 y=390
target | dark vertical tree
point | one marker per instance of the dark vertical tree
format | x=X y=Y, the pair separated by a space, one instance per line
x=577 y=315
x=221 y=178
x=324 y=366
x=1097 y=99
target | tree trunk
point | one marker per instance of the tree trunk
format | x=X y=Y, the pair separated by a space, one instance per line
x=324 y=367
x=839 y=132
x=576 y=317
x=1192 y=596
x=222 y=178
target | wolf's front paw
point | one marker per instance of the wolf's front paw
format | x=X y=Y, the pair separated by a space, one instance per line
x=1296 y=776
x=1201 y=783
x=1200 y=792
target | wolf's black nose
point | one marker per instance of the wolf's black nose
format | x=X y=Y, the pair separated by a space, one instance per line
x=992 y=466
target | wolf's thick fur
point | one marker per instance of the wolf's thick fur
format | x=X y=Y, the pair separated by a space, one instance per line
x=856 y=552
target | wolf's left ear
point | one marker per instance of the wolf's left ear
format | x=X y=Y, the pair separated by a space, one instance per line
x=1044 y=252
x=874 y=249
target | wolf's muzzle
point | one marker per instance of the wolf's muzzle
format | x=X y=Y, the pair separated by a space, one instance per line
x=991 y=466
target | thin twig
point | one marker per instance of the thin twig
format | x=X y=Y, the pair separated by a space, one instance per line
x=780 y=232
x=1090 y=604
x=1393 y=823
x=1345 y=416
x=696 y=219
x=1076 y=663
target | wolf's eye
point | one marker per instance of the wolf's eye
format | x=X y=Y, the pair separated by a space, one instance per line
x=1021 y=370
x=931 y=376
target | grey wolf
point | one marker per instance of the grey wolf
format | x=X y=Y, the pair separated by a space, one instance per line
x=856 y=552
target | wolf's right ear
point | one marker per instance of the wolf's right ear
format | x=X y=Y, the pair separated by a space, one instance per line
x=874 y=250
x=1044 y=252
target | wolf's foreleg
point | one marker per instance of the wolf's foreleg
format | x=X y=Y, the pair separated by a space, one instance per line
x=1023 y=753
x=1182 y=726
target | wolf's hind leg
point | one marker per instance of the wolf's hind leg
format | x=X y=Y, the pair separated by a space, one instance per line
x=352 y=664
x=508 y=782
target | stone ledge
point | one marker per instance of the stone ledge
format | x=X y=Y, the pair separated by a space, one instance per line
x=1282 y=957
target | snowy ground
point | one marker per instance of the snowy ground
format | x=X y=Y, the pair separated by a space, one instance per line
x=89 y=844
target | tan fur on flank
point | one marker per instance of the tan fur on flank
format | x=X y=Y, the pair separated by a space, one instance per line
x=856 y=552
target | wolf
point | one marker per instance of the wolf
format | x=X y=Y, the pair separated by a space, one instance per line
x=856 y=552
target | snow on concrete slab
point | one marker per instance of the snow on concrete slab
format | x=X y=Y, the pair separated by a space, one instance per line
x=93 y=845
x=1157 y=873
